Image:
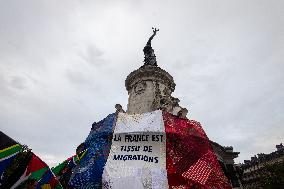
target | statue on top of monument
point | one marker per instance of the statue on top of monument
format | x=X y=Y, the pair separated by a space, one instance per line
x=152 y=36
x=149 y=55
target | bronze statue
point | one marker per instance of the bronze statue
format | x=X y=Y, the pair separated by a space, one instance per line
x=152 y=36
x=149 y=55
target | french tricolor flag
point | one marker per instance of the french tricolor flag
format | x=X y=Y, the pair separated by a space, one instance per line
x=152 y=150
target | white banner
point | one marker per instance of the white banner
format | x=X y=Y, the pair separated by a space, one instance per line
x=138 y=153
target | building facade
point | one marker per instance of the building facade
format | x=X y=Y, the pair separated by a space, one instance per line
x=264 y=170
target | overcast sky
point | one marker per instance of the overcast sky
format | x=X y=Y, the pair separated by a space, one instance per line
x=63 y=66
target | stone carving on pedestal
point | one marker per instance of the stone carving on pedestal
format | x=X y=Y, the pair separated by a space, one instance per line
x=182 y=113
x=140 y=87
x=175 y=102
x=166 y=103
x=156 y=101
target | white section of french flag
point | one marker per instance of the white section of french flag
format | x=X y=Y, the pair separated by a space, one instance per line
x=137 y=158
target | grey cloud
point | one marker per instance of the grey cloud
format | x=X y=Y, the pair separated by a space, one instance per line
x=77 y=77
x=93 y=55
x=18 y=82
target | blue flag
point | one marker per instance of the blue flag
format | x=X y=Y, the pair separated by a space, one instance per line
x=88 y=174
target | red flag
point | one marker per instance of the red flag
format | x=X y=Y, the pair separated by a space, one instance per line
x=35 y=164
x=199 y=172
x=191 y=162
x=34 y=170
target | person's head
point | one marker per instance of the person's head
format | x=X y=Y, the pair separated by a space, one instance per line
x=80 y=148
x=118 y=107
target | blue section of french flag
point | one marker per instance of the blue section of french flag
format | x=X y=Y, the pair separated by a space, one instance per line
x=88 y=174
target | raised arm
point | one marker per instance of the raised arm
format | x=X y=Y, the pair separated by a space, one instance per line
x=152 y=36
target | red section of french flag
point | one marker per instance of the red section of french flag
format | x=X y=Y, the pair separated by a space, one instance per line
x=191 y=162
